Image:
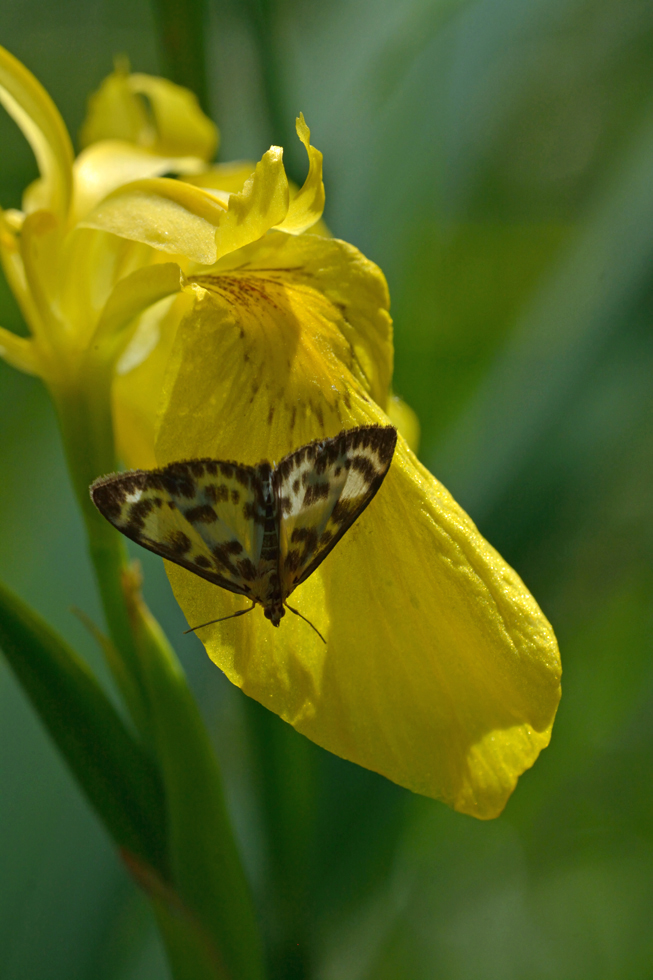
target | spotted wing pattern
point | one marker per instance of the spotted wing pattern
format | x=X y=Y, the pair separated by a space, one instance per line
x=204 y=514
x=321 y=489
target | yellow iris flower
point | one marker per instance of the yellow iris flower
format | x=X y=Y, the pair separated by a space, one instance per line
x=208 y=301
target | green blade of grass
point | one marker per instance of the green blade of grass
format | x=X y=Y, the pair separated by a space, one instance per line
x=117 y=777
x=182 y=28
x=205 y=865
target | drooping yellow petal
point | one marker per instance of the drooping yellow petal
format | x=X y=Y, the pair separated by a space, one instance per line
x=175 y=217
x=150 y=112
x=307 y=205
x=104 y=166
x=440 y=671
x=33 y=110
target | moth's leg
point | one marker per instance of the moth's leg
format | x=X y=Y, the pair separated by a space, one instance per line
x=241 y=612
x=297 y=613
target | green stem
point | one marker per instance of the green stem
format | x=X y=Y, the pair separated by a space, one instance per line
x=182 y=29
x=87 y=433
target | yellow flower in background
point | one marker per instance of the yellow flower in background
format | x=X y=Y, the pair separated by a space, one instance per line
x=80 y=290
x=213 y=305
x=102 y=237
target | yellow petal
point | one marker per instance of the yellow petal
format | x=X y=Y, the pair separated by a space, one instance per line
x=130 y=296
x=175 y=217
x=405 y=420
x=137 y=387
x=166 y=214
x=181 y=126
x=104 y=166
x=307 y=205
x=167 y=121
x=226 y=177
x=33 y=110
x=340 y=291
x=440 y=671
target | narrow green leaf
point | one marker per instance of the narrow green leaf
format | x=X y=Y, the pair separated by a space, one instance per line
x=117 y=777
x=206 y=870
x=182 y=31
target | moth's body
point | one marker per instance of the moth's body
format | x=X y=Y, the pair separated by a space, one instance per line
x=266 y=589
x=258 y=531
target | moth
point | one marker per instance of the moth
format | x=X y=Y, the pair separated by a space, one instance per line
x=258 y=531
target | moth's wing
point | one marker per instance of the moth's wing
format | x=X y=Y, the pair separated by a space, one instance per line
x=204 y=514
x=321 y=489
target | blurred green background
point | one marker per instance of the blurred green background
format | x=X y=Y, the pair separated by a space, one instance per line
x=495 y=157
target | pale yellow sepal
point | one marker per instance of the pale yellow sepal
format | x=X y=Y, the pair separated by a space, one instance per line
x=439 y=671
x=33 y=110
x=129 y=297
x=166 y=214
x=181 y=219
x=307 y=205
x=167 y=121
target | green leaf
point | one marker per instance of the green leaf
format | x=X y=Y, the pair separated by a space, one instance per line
x=206 y=869
x=118 y=779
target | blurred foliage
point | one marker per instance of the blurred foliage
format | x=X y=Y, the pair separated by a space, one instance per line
x=495 y=157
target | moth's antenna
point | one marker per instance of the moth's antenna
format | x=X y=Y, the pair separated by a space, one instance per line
x=297 y=613
x=241 y=612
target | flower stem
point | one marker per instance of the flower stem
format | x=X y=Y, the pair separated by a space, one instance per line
x=87 y=433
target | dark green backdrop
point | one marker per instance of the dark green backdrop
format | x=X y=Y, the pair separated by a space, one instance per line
x=496 y=159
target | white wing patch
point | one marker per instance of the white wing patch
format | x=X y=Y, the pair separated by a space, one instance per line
x=321 y=490
x=203 y=514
